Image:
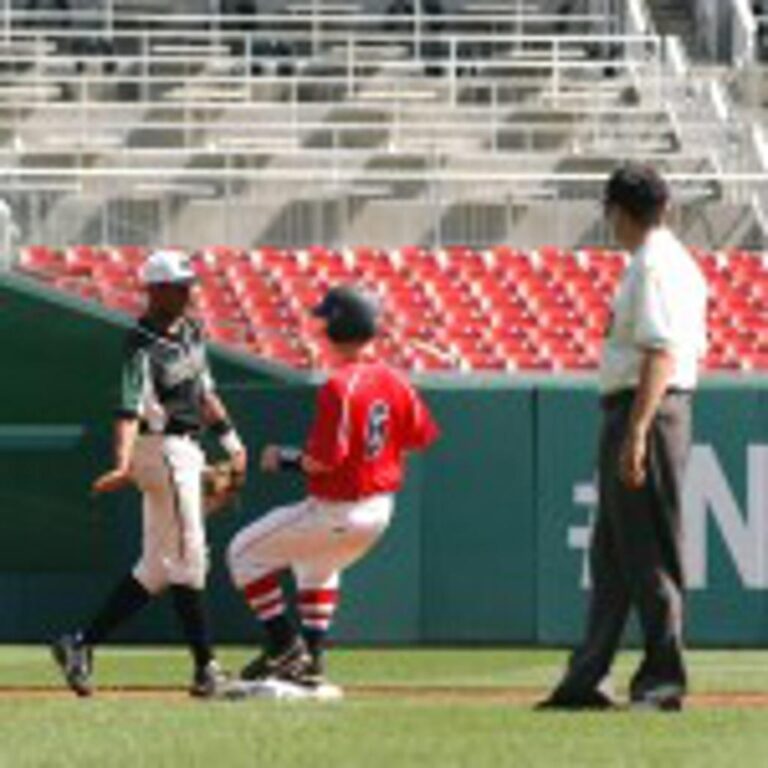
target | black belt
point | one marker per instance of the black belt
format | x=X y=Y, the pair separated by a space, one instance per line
x=625 y=396
x=175 y=428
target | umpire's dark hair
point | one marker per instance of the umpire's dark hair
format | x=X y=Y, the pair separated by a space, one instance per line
x=638 y=189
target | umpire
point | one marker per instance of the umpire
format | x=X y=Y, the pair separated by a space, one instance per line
x=648 y=373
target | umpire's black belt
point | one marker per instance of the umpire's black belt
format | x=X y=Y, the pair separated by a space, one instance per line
x=623 y=397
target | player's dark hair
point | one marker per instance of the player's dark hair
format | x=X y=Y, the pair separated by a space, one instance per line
x=639 y=190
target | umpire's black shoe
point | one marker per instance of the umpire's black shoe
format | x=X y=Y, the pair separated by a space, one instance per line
x=666 y=698
x=594 y=700
x=290 y=663
x=669 y=704
x=209 y=681
x=75 y=659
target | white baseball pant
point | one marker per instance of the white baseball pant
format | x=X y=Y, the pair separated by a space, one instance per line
x=315 y=538
x=167 y=470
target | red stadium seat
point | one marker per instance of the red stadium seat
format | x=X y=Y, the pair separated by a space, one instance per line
x=132 y=255
x=79 y=287
x=456 y=308
x=41 y=261
x=123 y=301
x=80 y=260
x=114 y=274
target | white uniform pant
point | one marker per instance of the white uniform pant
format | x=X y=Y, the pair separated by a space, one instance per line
x=316 y=539
x=167 y=470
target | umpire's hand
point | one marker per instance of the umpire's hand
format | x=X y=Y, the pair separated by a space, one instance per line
x=632 y=459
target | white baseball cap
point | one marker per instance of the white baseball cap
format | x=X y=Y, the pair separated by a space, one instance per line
x=167 y=267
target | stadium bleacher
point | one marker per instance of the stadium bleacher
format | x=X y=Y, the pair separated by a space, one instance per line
x=456 y=308
x=340 y=123
x=475 y=131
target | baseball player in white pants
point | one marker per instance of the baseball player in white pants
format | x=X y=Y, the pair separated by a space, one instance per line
x=168 y=399
x=316 y=539
x=367 y=417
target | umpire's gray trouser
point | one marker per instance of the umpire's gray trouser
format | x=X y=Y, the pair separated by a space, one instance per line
x=636 y=553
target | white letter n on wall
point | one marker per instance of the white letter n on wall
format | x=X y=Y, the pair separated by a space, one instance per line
x=745 y=535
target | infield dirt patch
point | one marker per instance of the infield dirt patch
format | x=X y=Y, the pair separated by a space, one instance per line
x=425 y=693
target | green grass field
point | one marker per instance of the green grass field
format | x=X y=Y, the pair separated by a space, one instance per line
x=367 y=731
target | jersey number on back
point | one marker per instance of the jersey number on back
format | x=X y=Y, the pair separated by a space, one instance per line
x=377 y=429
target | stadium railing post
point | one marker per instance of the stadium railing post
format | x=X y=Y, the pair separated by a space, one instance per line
x=351 y=65
x=145 y=56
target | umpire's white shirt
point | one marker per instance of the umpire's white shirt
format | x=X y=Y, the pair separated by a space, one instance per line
x=660 y=304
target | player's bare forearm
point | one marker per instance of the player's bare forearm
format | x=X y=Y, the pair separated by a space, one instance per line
x=656 y=370
x=126 y=431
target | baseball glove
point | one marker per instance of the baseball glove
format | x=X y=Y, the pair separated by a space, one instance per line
x=221 y=485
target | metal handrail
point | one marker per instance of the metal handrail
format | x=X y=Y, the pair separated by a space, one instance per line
x=557 y=49
x=744 y=35
x=342 y=154
x=464 y=110
x=239 y=129
x=180 y=20
x=394 y=67
x=638 y=19
x=439 y=175
x=336 y=36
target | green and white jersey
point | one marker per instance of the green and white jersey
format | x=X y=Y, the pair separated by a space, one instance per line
x=165 y=377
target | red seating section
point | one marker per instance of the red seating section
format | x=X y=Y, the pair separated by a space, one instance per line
x=498 y=310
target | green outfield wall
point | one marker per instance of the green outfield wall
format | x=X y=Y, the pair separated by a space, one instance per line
x=489 y=541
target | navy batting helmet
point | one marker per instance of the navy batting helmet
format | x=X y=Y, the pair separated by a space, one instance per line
x=351 y=315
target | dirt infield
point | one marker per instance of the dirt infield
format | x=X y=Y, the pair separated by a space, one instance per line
x=528 y=697
x=413 y=693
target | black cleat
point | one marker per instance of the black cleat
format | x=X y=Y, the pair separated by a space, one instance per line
x=75 y=659
x=209 y=681
x=290 y=664
x=313 y=674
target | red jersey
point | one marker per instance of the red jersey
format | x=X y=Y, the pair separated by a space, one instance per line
x=367 y=417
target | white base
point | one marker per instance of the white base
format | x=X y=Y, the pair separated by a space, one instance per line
x=280 y=690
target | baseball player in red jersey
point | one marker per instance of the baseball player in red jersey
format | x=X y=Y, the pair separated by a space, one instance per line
x=368 y=416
